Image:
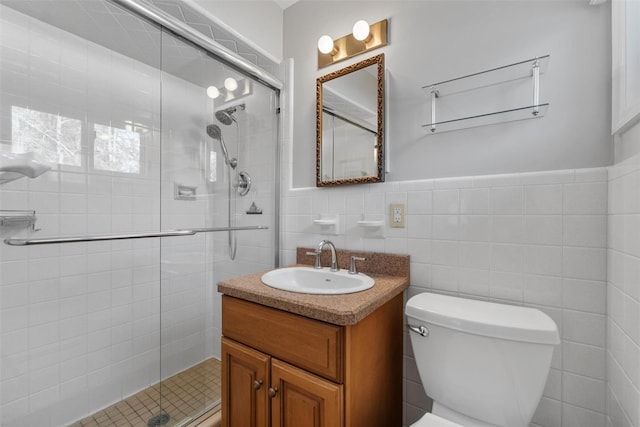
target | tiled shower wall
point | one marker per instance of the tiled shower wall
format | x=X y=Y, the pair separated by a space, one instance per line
x=537 y=239
x=623 y=295
x=80 y=323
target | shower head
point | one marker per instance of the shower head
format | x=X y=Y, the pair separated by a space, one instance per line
x=226 y=116
x=214 y=132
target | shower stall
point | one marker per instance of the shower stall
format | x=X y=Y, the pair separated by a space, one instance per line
x=138 y=167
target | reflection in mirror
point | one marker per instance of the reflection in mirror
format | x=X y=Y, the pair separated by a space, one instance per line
x=350 y=120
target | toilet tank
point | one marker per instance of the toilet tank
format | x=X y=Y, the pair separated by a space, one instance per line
x=484 y=360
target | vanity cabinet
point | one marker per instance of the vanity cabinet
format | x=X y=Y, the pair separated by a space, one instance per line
x=284 y=369
x=246 y=402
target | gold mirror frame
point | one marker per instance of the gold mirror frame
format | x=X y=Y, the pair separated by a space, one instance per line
x=380 y=100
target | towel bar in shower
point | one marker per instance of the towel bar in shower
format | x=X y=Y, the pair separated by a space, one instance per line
x=106 y=237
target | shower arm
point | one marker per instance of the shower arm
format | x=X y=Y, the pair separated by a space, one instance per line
x=103 y=237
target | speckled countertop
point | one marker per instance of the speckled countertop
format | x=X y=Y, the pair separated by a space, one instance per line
x=345 y=309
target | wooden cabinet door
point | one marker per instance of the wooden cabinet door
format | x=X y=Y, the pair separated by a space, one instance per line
x=303 y=399
x=245 y=384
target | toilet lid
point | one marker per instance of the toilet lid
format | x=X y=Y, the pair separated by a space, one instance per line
x=430 y=420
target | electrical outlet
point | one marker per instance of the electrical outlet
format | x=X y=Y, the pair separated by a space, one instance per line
x=397 y=215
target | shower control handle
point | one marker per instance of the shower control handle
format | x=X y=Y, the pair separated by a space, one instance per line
x=243 y=183
x=257 y=384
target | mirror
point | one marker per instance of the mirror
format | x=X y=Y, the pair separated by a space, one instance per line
x=350 y=124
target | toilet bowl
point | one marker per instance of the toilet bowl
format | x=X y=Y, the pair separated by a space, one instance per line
x=483 y=364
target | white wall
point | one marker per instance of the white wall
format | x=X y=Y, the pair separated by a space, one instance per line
x=537 y=239
x=258 y=22
x=438 y=40
x=623 y=290
x=627 y=144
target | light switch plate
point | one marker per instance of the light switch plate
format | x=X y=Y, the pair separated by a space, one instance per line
x=396 y=216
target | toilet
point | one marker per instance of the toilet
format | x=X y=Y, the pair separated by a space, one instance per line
x=483 y=363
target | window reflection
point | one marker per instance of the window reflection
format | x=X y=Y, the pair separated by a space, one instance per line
x=56 y=139
x=53 y=138
x=116 y=150
x=213 y=166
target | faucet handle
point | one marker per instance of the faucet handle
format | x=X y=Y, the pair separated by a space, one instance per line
x=316 y=254
x=352 y=263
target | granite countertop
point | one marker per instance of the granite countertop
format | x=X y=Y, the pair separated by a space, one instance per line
x=344 y=309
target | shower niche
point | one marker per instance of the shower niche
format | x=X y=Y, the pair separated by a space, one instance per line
x=493 y=96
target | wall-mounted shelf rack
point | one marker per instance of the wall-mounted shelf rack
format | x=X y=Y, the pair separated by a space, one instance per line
x=17 y=219
x=328 y=223
x=370 y=224
x=530 y=68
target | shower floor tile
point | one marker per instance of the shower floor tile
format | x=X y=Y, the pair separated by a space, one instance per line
x=183 y=395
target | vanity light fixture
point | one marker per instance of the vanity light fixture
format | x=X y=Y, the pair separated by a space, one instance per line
x=326 y=45
x=361 y=31
x=363 y=38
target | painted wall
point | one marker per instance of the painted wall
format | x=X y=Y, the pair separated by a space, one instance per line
x=259 y=22
x=437 y=40
x=627 y=144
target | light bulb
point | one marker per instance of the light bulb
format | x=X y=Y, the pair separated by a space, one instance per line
x=213 y=92
x=361 y=30
x=230 y=84
x=325 y=44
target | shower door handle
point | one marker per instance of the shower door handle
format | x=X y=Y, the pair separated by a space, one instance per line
x=94 y=238
x=103 y=237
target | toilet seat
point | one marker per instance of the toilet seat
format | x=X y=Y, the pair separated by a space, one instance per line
x=430 y=420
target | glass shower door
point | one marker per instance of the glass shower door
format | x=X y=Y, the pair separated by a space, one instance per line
x=188 y=369
x=122 y=331
x=218 y=156
x=80 y=322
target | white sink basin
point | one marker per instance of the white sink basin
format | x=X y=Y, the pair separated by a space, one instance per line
x=308 y=280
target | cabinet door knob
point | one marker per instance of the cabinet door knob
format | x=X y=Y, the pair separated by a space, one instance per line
x=257 y=384
x=273 y=391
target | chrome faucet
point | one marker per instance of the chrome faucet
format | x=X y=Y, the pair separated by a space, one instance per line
x=321 y=245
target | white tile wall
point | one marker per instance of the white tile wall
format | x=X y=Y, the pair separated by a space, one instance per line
x=537 y=239
x=623 y=295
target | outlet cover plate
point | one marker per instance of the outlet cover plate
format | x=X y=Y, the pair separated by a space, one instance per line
x=396 y=215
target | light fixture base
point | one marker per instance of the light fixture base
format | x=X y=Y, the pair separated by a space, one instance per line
x=348 y=47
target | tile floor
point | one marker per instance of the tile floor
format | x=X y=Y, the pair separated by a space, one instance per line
x=184 y=395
